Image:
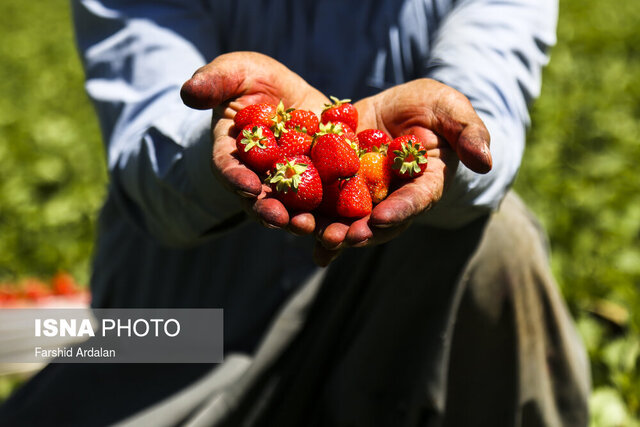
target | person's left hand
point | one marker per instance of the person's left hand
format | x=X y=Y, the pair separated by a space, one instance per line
x=450 y=130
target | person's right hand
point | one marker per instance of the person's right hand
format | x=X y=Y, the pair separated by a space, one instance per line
x=229 y=83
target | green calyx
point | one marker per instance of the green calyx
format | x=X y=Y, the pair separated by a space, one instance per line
x=329 y=127
x=409 y=158
x=253 y=138
x=325 y=129
x=335 y=103
x=282 y=116
x=354 y=145
x=375 y=149
x=288 y=176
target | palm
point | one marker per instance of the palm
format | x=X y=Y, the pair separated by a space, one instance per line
x=447 y=125
x=419 y=194
x=230 y=83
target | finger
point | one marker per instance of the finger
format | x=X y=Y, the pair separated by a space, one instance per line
x=251 y=75
x=383 y=235
x=302 y=224
x=214 y=83
x=458 y=123
x=402 y=204
x=334 y=235
x=359 y=232
x=331 y=232
x=473 y=149
x=323 y=256
x=412 y=198
x=271 y=213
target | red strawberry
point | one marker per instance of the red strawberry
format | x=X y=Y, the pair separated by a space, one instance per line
x=376 y=172
x=296 y=183
x=339 y=129
x=351 y=138
x=64 y=284
x=372 y=140
x=295 y=143
x=264 y=114
x=354 y=200
x=407 y=157
x=34 y=289
x=340 y=111
x=303 y=121
x=258 y=148
x=255 y=114
x=8 y=294
x=334 y=157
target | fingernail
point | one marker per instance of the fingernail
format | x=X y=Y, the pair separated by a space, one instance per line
x=331 y=248
x=271 y=226
x=383 y=225
x=245 y=194
x=360 y=244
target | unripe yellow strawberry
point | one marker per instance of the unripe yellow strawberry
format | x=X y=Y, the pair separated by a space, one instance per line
x=374 y=168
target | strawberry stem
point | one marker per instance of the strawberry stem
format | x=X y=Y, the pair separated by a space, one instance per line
x=288 y=176
x=253 y=138
x=409 y=158
x=282 y=116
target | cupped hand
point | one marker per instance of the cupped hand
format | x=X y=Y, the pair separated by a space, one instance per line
x=451 y=131
x=229 y=83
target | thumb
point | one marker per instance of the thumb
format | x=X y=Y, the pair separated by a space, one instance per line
x=250 y=74
x=472 y=148
x=223 y=78
x=459 y=124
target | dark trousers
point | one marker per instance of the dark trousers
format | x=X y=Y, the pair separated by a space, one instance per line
x=438 y=327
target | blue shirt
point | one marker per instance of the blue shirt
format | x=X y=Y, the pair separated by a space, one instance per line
x=170 y=234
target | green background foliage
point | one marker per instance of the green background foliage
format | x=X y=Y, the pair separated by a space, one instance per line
x=52 y=173
x=579 y=173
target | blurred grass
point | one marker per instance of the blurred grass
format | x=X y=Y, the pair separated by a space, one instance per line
x=580 y=176
x=579 y=173
x=52 y=173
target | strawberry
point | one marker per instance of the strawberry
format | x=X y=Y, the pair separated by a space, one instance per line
x=64 y=284
x=303 y=121
x=334 y=157
x=8 y=294
x=351 y=138
x=255 y=114
x=258 y=148
x=372 y=140
x=264 y=114
x=340 y=111
x=293 y=143
x=339 y=129
x=377 y=174
x=407 y=156
x=34 y=289
x=296 y=183
x=354 y=200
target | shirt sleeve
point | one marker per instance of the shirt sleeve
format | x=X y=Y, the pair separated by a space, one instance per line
x=493 y=51
x=136 y=56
